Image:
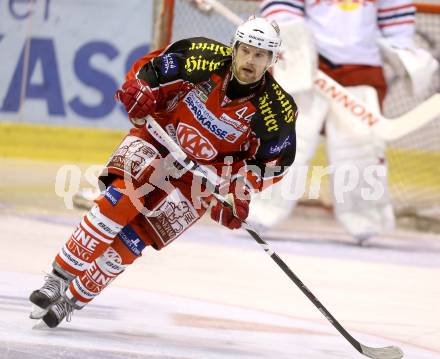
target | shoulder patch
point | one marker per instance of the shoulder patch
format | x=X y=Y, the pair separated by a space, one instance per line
x=168 y=65
x=275 y=147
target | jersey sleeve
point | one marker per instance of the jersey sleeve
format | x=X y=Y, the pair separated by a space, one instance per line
x=273 y=140
x=180 y=65
x=282 y=10
x=396 y=21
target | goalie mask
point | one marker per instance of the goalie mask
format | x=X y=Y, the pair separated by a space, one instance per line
x=256 y=33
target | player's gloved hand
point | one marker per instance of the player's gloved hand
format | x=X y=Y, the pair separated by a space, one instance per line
x=232 y=216
x=138 y=100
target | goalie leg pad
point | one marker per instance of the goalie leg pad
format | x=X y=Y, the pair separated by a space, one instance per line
x=359 y=177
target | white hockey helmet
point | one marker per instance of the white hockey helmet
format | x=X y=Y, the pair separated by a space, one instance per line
x=261 y=33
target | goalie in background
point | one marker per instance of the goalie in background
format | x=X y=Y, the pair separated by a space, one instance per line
x=350 y=39
x=224 y=109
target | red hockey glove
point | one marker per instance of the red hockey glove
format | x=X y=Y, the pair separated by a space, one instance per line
x=138 y=100
x=233 y=216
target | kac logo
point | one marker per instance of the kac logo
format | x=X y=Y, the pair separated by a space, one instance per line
x=193 y=143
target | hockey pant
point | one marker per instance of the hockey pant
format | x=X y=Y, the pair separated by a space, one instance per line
x=124 y=220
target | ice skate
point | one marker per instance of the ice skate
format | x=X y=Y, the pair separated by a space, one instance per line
x=49 y=294
x=57 y=312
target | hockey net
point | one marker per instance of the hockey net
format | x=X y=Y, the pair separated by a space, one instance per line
x=414 y=160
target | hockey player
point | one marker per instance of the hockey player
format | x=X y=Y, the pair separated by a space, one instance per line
x=225 y=111
x=346 y=35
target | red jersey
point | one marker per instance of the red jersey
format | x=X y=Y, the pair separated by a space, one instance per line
x=189 y=79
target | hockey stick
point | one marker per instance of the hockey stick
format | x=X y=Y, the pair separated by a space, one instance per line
x=390 y=352
x=389 y=129
x=386 y=128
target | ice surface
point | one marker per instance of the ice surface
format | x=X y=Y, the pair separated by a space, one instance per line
x=125 y=323
x=215 y=295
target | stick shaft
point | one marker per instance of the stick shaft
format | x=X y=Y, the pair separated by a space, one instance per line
x=295 y=279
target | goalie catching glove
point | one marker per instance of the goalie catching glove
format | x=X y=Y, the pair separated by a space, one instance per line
x=138 y=100
x=236 y=212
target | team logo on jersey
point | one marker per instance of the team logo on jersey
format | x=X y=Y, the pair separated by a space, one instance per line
x=176 y=214
x=168 y=65
x=208 y=120
x=193 y=143
x=226 y=100
x=133 y=156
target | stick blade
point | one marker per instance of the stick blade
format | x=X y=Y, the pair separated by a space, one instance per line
x=395 y=128
x=390 y=352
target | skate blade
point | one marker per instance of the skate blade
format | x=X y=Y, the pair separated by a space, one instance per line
x=40 y=325
x=37 y=312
